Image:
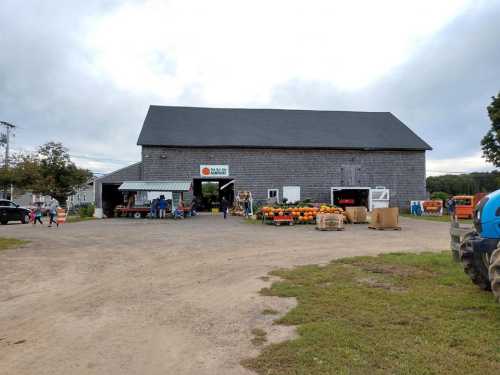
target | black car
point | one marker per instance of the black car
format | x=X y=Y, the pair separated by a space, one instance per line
x=10 y=211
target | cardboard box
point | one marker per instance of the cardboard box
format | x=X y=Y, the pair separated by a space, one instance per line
x=356 y=214
x=385 y=218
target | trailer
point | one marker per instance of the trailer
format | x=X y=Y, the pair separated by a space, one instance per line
x=135 y=212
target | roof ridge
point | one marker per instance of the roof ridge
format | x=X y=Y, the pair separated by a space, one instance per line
x=263 y=109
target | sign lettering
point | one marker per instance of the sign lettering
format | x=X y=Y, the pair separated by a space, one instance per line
x=214 y=170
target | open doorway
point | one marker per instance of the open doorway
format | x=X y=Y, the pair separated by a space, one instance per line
x=351 y=196
x=210 y=197
x=111 y=197
x=209 y=192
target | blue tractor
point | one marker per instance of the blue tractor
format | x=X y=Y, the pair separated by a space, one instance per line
x=480 y=248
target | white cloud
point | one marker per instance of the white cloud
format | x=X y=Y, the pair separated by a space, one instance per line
x=234 y=52
x=432 y=63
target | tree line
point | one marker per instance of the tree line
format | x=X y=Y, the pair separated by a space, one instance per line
x=467 y=184
x=48 y=171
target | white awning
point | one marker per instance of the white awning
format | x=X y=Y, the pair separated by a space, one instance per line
x=155 y=186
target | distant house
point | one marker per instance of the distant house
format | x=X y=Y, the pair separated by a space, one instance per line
x=83 y=196
x=29 y=199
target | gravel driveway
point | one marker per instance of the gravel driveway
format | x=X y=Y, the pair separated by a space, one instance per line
x=125 y=296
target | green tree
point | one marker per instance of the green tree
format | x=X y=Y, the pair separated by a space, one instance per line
x=470 y=183
x=49 y=171
x=440 y=195
x=490 y=144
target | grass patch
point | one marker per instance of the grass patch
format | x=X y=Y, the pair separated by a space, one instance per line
x=442 y=219
x=260 y=336
x=76 y=219
x=269 y=312
x=10 y=243
x=391 y=314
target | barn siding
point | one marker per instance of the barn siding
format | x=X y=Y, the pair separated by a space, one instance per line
x=315 y=171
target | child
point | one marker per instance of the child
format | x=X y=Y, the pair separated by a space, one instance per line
x=38 y=215
x=32 y=217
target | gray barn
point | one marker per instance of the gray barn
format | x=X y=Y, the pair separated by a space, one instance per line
x=296 y=154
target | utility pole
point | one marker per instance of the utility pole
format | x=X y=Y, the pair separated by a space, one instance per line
x=8 y=127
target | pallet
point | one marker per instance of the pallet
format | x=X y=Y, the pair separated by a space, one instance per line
x=330 y=229
x=384 y=228
x=359 y=222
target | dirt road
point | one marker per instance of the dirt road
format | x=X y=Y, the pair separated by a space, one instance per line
x=149 y=297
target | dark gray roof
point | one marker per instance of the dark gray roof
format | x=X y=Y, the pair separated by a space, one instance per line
x=276 y=128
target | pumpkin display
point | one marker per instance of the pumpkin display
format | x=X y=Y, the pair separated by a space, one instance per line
x=302 y=215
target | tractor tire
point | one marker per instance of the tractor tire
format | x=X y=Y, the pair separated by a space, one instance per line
x=474 y=265
x=495 y=273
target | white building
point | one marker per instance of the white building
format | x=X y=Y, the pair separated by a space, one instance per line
x=83 y=196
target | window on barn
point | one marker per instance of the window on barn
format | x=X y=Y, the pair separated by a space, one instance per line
x=273 y=195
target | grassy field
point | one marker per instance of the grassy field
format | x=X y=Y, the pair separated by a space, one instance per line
x=9 y=243
x=391 y=314
x=444 y=218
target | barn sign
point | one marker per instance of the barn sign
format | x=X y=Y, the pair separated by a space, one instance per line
x=214 y=170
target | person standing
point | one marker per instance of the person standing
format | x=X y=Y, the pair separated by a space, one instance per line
x=451 y=208
x=53 y=205
x=162 y=205
x=224 y=206
x=153 y=210
x=246 y=204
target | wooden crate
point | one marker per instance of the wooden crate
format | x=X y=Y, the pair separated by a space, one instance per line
x=330 y=222
x=357 y=214
x=385 y=218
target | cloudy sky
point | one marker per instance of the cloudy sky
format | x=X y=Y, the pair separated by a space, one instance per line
x=85 y=72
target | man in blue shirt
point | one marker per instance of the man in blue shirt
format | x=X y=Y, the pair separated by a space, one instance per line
x=162 y=206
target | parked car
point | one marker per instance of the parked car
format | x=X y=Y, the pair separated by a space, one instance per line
x=10 y=211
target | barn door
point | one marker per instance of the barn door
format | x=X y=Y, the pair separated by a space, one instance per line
x=350 y=175
x=291 y=193
x=380 y=197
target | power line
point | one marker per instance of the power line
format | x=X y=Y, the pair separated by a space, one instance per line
x=104 y=159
